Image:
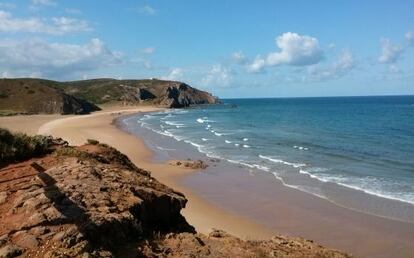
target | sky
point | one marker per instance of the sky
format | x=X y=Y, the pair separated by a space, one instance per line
x=230 y=48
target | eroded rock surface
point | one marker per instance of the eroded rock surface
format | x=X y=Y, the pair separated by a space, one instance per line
x=85 y=199
x=221 y=244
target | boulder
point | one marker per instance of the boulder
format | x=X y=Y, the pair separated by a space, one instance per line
x=10 y=251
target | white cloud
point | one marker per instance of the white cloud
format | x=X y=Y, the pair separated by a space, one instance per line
x=148 y=10
x=257 y=65
x=345 y=61
x=44 y=2
x=175 y=74
x=394 y=69
x=8 y=74
x=410 y=37
x=218 y=76
x=67 y=25
x=54 y=26
x=341 y=67
x=148 y=50
x=390 y=52
x=295 y=50
x=239 y=57
x=55 y=60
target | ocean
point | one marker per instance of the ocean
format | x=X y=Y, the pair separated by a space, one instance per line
x=364 y=144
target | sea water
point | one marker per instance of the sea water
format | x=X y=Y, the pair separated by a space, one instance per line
x=361 y=143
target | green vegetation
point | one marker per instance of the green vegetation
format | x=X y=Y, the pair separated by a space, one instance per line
x=3 y=95
x=73 y=152
x=35 y=96
x=19 y=146
x=92 y=141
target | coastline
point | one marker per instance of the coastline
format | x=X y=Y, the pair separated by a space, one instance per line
x=289 y=211
x=77 y=129
x=296 y=213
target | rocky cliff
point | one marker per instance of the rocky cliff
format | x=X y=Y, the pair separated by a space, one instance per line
x=34 y=96
x=92 y=201
x=165 y=93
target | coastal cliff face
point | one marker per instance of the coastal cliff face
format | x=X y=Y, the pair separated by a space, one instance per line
x=92 y=201
x=158 y=92
x=36 y=96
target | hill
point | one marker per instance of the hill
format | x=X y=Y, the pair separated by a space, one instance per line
x=158 y=92
x=37 y=96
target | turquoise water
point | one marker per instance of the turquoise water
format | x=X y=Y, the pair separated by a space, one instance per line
x=363 y=143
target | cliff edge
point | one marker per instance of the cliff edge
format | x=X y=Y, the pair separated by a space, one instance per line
x=92 y=201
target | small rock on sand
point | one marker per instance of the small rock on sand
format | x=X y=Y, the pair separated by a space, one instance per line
x=194 y=164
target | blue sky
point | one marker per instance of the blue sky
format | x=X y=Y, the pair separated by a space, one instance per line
x=230 y=48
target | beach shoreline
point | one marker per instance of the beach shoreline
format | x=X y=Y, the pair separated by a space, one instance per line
x=295 y=213
x=77 y=129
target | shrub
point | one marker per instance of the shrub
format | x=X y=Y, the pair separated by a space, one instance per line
x=72 y=152
x=92 y=141
x=19 y=146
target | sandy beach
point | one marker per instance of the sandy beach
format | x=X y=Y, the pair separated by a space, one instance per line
x=249 y=216
x=77 y=129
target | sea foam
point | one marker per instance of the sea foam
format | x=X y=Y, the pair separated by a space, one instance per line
x=295 y=165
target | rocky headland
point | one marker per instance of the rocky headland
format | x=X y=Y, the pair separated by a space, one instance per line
x=38 y=96
x=58 y=200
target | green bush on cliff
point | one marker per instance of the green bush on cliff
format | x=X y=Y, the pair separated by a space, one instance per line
x=18 y=146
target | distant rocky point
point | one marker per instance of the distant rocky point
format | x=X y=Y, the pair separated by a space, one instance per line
x=38 y=96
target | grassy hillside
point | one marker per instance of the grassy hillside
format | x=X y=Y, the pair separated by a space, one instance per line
x=101 y=91
x=34 y=96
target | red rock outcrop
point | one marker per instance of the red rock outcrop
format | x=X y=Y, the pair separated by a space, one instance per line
x=88 y=199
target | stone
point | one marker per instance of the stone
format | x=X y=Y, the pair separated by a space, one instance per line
x=59 y=236
x=3 y=197
x=36 y=202
x=193 y=164
x=38 y=231
x=53 y=214
x=218 y=233
x=86 y=255
x=36 y=219
x=27 y=241
x=3 y=239
x=10 y=251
